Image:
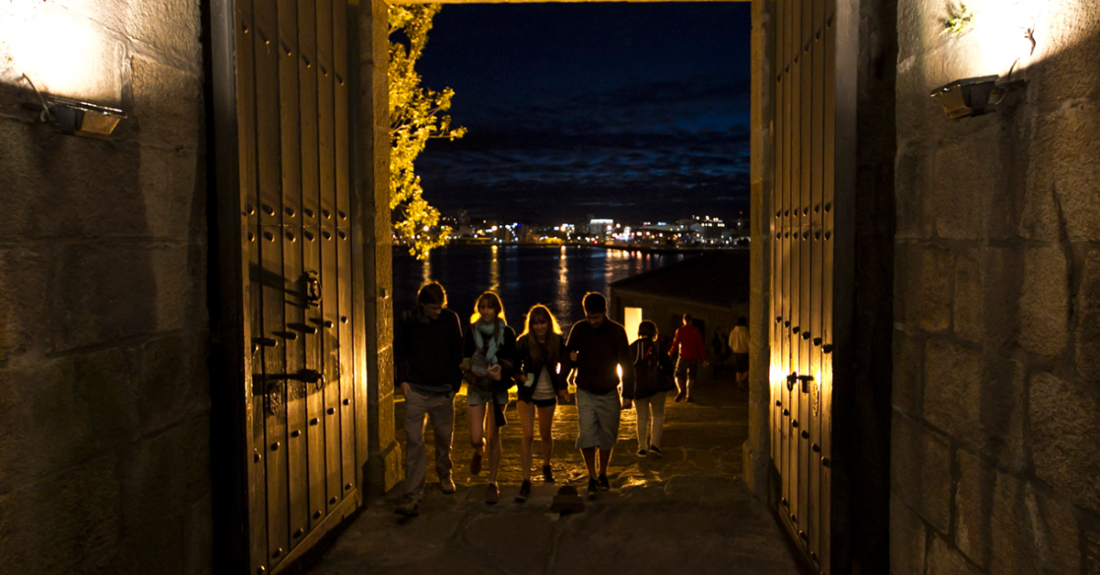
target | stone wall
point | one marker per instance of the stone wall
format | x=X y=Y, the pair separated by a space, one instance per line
x=996 y=379
x=104 y=394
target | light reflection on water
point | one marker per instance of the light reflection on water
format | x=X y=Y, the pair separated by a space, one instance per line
x=522 y=275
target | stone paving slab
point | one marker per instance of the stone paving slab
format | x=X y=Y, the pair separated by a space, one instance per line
x=687 y=512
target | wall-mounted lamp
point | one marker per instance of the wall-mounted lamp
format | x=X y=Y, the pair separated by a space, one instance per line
x=84 y=119
x=76 y=117
x=968 y=97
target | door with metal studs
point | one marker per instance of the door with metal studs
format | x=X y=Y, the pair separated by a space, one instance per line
x=802 y=282
x=293 y=139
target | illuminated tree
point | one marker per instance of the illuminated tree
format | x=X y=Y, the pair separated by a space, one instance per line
x=416 y=116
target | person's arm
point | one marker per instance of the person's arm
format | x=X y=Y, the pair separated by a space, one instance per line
x=454 y=352
x=508 y=356
x=675 y=342
x=626 y=361
x=571 y=344
x=630 y=389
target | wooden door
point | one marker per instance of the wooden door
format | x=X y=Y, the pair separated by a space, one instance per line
x=281 y=90
x=803 y=282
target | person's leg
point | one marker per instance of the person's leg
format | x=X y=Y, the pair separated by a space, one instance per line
x=657 y=423
x=527 y=422
x=680 y=378
x=608 y=412
x=641 y=407
x=692 y=373
x=587 y=433
x=476 y=415
x=442 y=412
x=546 y=425
x=416 y=458
x=493 y=437
x=589 y=455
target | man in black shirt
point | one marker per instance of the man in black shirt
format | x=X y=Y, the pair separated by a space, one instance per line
x=427 y=353
x=598 y=349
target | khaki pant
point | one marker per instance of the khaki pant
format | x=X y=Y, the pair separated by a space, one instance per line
x=441 y=410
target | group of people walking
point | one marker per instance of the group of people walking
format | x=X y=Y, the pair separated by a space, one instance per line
x=433 y=357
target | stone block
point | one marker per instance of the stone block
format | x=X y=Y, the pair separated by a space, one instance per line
x=1070 y=40
x=920 y=120
x=944 y=560
x=920 y=471
x=968 y=173
x=953 y=387
x=1087 y=333
x=102 y=293
x=514 y=543
x=55 y=186
x=180 y=296
x=1009 y=526
x=166 y=474
x=912 y=175
x=167 y=104
x=923 y=286
x=198 y=538
x=153 y=548
x=1065 y=422
x=173 y=27
x=173 y=384
x=57 y=412
x=174 y=193
x=907 y=540
x=967 y=307
x=23 y=281
x=1044 y=301
x=1065 y=159
x=908 y=389
x=68 y=523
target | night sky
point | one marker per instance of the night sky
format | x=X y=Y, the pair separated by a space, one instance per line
x=636 y=111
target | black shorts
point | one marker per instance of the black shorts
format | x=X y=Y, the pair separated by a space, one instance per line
x=542 y=402
x=740 y=362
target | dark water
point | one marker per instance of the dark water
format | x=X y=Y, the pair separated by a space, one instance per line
x=523 y=276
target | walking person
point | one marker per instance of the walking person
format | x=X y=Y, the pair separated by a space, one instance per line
x=488 y=365
x=427 y=354
x=652 y=382
x=541 y=385
x=687 y=345
x=598 y=349
x=739 y=343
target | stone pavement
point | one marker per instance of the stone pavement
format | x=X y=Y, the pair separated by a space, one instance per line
x=687 y=512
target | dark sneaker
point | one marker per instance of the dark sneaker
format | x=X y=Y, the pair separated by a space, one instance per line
x=492 y=494
x=410 y=508
x=447 y=485
x=680 y=396
x=641 y=452
x=524 y=491
x=655 y=451
x=689 y=400
x=593 y=488
x=475 y=464
x=604 y=483
x=547 y=474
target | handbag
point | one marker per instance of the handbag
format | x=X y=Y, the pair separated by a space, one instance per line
x=478 y=374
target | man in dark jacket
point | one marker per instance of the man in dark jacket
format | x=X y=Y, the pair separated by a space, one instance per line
x=598 y=349
x=427 y=353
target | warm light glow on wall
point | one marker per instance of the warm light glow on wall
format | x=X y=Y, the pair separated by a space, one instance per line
x=1000 y=34
x=62 y=53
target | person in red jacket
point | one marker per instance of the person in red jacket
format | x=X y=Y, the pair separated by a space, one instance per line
x=687 y=345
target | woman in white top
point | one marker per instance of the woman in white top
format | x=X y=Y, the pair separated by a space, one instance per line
x=541 y=349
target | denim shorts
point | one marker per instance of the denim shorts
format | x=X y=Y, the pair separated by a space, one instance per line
x=476 y=396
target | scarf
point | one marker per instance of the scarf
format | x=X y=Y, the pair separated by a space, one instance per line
x=481 y=330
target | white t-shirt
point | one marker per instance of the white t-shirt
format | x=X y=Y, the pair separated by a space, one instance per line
x=544 y=387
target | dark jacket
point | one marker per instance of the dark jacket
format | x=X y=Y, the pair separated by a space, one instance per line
x=647 y=382
x=427 y=353
x=527 y=364
x=507 y=357
x=599 y=351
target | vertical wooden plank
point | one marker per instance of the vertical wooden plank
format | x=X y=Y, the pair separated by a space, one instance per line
x=805 y=257
x=311 y=251
x=828 y=247
x=268 y=141
x=816 y=288
x=796 y=258
x=342 y=145
x=294 y=298
x=776 y=317
x=785 y=287
x=246 y=134
x=329 y=273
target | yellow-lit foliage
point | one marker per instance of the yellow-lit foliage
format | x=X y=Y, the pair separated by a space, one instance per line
x=416 y=115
